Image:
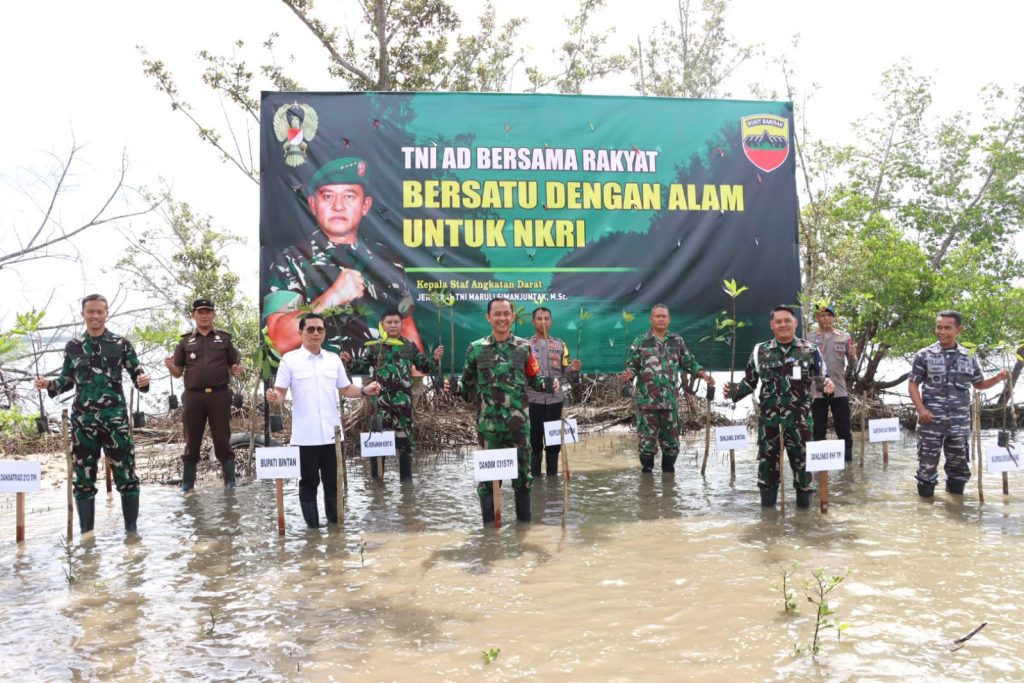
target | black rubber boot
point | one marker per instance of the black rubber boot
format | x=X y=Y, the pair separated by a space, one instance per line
x=310 y=514
x=535 y=460
x=803 y=499
x=405 y=468
x=130 y=510
x=552 y=463
x=769 y=496
x=523 y=513
x=848 y=454
x=955 y=486
x=668 y=464
x=925 y=490
x=228 y=469
x=330 y=510
x=86 y=514
x=487 y=508
x=646 y=466
x=188 y=477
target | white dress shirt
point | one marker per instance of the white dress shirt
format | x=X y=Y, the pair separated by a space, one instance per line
x=314 y=381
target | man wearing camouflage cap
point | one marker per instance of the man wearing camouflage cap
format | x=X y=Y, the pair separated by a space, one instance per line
x=337 y=273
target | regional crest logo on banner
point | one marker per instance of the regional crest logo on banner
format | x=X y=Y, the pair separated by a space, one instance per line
x=765 y=140
x=294 y=124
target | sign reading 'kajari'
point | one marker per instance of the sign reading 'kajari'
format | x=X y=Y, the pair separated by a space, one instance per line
x=594 y=207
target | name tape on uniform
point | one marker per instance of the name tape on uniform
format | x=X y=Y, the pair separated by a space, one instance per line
x=731 y=437
x=826 y=455
x=277 y=462
x=376 y=444
x=1003 y=458
x=495 y=464
x=19 y=476
x=884 y=429
x=553 y=432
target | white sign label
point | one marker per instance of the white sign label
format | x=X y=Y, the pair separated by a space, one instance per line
x=553 y=432
x=279 y=462
x=19 y=476
x=376 y=444
x=826 y=455
x=1003 y=459
x=495 y=465
x=731 y=437
x=885 y=429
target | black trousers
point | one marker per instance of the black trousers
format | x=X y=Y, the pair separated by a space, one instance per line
x=539 y=414
x=316 y=463
x=840 y=406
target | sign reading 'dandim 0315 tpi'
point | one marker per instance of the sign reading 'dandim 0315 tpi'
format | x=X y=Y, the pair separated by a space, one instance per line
x=1003 y=458
x=730 y=437
x=594 y=207
x=826 y=455
x=557 y=432
x=19 y=476
x=495 y=464
x=277 y=462
x=884 y=429
x=376 y=444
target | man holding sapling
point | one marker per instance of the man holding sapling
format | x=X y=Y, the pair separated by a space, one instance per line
x=840 y=356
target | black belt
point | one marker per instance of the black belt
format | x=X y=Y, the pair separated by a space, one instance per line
x=208 y=390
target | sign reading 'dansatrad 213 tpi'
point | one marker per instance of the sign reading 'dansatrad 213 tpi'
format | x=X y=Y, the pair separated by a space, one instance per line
x=277 y=462
x=733 y=437
x=19 y=476
x=826 y=455
x=495 y=464
x=553 y=434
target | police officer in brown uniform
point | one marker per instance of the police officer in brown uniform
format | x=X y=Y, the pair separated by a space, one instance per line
x=207 y=358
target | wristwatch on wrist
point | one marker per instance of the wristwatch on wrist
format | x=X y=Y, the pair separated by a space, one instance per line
x=362 y=391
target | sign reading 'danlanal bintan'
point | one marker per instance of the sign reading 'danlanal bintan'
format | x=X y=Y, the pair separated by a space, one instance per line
x=826 y=455
x=495 y=464
x=376 y=444
x=884 y=429
x=19 y=476
x=1002 y=458
x=731 y=437
x=277 y=462
x=594 y=207
x=561 y=431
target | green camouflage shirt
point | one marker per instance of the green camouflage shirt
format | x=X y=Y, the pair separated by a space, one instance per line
x=391 y=366
x=656 y=365
x=94 y=366
x=496 y=376
x=785 y=390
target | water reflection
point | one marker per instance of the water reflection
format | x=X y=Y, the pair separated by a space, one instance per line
x=646 y=576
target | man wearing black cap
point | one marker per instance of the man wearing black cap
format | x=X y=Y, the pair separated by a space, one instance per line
x=207 y=358
x=337 y=274
x=840 y=357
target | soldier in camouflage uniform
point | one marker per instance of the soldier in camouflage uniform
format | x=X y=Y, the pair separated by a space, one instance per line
x=99 y=417
x=941 y=378
x=498 y=369
x=786 y=367
x=390 y=360
x=656 y=359
x=337 y=273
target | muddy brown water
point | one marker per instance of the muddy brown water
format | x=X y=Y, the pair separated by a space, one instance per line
x=650 y=578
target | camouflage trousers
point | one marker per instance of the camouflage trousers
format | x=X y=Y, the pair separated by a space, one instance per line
x=658 y=427
x=403 y=449
x=795 y=432
x=106 y=429
x=518 y=438
x=401 y=425
x=930 y=446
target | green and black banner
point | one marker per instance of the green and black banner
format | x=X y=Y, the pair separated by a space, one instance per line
x=594 y=207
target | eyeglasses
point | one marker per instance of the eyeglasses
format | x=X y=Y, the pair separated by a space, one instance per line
x=313 y=330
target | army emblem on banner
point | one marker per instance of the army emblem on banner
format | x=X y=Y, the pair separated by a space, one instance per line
x=765 y=140
x=295 y=125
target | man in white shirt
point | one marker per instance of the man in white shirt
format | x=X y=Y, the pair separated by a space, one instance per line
x=314 y=376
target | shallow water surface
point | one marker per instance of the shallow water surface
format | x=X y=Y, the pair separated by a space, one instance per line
x=651 y=577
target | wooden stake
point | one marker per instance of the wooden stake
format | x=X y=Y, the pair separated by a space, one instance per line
x=707 y=440
x=977 y=449
x=732 y=463
x=280 y=506
x=885 y=454
x=378 y=465
x=496 y=494
x=565 y=471
x=20 y=505
x=339 y=500
x=863 y=425
x=782 y=473
x=824 y=492
x=1006 y=485
x=344 y=472
x=64 y=438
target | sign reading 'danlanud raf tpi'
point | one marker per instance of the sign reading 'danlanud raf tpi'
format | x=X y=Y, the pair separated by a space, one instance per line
x=826 y=455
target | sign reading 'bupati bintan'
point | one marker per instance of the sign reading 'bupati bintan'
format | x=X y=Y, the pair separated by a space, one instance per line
x=594 y=207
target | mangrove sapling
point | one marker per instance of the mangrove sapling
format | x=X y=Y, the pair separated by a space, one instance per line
x=817 y=590
x=65 y=544
x=491 y=654
x=27 y=324
x=726 y=329
x=786 y=588
x=362 y=550
x=210 y=625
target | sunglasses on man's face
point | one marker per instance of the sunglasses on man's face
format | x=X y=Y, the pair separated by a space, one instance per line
x=313 y=330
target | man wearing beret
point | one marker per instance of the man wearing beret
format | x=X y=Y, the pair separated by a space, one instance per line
x=208 y=359
x=337 y=274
